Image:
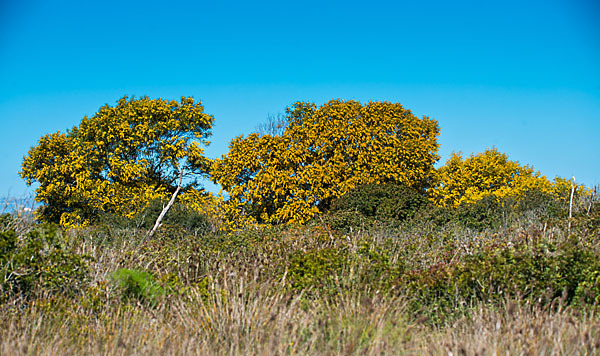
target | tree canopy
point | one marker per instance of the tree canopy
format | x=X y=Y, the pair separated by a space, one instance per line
x=119 y=159
x=322 y=153
x=125 y=156
x=467 y=180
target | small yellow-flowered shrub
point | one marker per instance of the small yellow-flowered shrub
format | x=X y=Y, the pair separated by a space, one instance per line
x=485 y=174
x=119 y=159
x=561 y=189
x=322 y=153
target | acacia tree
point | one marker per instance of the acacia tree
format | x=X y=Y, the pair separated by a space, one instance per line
x=119 y=159
x=321 y=154
x=490 y=173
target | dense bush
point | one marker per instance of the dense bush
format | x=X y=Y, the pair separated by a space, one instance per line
x=178 y=216
x=487 y=213
x=392 y=205
x=539 y=272
x=40 y=261
x=540 y=203
x=331 y=270
x=588 y=290
x=180 y=221
x=493 y=213
x=317 y=269
x=369 y=204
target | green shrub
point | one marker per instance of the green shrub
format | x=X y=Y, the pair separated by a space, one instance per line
x=317 y=269
x=178 y=215
x=347 y=220
x=5 y=219
x=326 y=271
x=432 y=216
x=588 y=290
x=138 y=285
x=492 y=213
x=588 y=224
x=371 y=203
x=375 y=269
x=544 y=204
x=179 y=221
x=40 y=261
x=487 y=213
x=8 y=243
x=539 y=272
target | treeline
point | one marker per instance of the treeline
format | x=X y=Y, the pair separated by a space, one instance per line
x=140 y=151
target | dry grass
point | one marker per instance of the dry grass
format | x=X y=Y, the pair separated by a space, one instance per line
x=235 y=300
x=247 y=319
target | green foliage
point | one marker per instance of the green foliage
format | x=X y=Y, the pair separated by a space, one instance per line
x=40 y=261
x=375 y=268
x=139 y=285
x=588 y=290
x=317 y=269
x=539 y=272
x=540 y=203
x=8 y=243
x=5 y=219
x=492 y=213
x=367 y=204
x=392 y=205
x=179 y=222
x=331 y=270
x=179 y=215
x=119 y=159
x=486 y=213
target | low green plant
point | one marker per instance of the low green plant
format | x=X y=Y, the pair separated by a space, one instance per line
x=139 y=285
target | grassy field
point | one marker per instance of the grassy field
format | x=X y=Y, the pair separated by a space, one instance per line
x=492 y=279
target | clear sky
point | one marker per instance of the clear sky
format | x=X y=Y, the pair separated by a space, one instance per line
x=522 y=76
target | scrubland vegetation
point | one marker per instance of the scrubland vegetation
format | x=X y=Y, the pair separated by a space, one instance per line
x=483 y=256
x=502 y=277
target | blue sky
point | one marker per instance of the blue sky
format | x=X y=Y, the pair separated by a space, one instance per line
x=523 y=76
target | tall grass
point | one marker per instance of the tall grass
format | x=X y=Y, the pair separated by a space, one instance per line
x=311 y=290
x=257 y=321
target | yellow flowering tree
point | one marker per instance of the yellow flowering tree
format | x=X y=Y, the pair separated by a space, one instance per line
x=119 y=159
x=322 y=153
x=488 y=173
x=561 y=188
